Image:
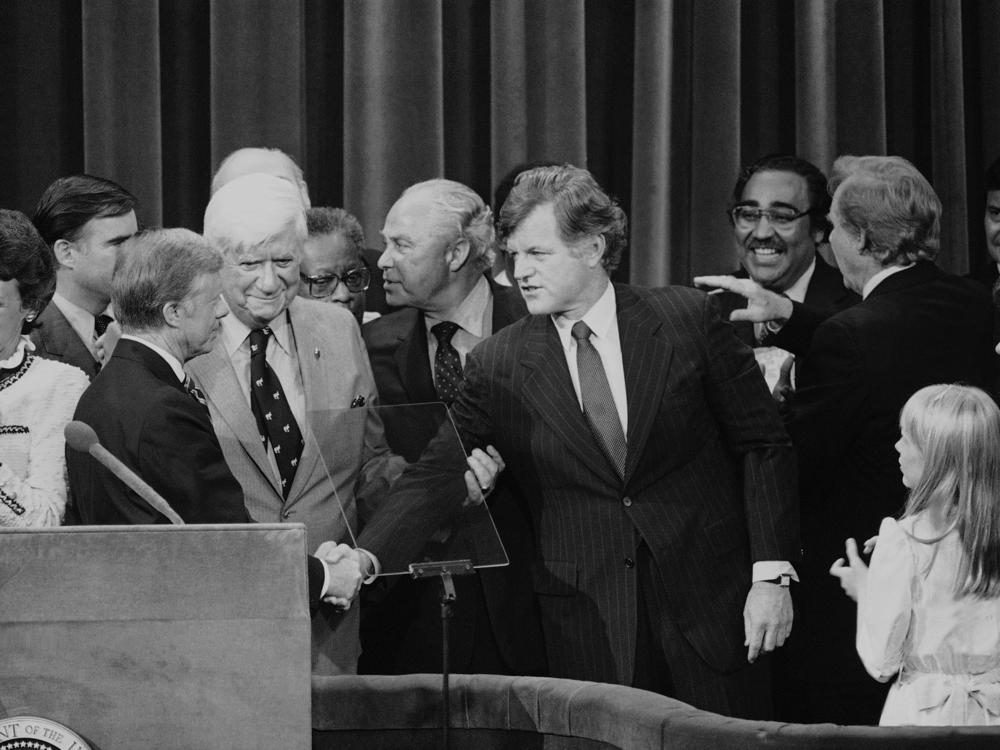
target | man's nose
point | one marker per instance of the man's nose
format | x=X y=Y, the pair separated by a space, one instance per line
x=268 y=280
x=385 y=259
x=340 y=292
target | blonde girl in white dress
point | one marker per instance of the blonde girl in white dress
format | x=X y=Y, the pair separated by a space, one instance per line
x=929 y=605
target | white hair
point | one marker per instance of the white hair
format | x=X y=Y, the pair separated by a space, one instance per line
x=460 y=206
x=251 y=210
x=244 y=161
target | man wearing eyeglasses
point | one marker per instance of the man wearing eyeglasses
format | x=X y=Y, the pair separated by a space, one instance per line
x=779 y=221
x=438 y=250
x=333 y=268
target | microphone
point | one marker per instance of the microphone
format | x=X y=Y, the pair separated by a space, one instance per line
x=81 y=437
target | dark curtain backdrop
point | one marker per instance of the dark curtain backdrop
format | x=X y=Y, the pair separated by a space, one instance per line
x=661 y=99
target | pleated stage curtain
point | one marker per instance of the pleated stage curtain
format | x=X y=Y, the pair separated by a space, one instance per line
x=662 y=99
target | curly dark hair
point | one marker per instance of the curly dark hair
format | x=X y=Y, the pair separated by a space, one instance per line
x=25 y=258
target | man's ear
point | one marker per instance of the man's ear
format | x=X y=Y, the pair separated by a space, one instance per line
x=593 y=250
x=458 y=254
x=172 y=314
x=63 y=251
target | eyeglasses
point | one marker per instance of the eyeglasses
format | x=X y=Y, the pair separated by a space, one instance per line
x=748 y=217
x=356 y=280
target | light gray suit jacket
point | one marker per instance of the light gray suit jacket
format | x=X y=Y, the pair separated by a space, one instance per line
x=346 y=442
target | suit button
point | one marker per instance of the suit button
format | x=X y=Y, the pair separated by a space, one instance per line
x=629 y=562
x=627 y=502
x=285 y=514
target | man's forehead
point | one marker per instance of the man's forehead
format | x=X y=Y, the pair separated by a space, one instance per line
x=286 y=244
x=993 y=198
x=775 y=187
x=334 y=250
x=416 y=215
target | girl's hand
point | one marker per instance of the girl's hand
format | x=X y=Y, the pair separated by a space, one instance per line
x=853 y=573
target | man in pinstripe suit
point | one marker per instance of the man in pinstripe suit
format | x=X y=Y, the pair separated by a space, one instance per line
x=663 y=506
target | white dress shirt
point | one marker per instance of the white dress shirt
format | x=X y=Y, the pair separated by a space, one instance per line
x=474 y=318
x=81 y=321
x=281 y=356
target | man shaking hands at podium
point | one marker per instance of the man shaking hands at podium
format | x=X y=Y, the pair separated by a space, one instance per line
x=145 y=410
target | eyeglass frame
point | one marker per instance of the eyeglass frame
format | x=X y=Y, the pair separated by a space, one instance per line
x=786 y=221
x=364 y=269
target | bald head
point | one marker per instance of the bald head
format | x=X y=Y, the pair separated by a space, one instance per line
x=270 y=161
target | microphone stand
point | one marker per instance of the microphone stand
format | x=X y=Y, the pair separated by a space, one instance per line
x=445 y=571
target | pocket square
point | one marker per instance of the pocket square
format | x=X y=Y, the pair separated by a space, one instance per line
x=358 y=401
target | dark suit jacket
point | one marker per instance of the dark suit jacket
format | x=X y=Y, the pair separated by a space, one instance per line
x=825 y=295
x=143 y=416
x=918 y=327
x=709 y=483
x=402 y=632
x=54 y=338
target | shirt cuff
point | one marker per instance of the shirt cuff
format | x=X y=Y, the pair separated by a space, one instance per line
x=768 y=570
x=326 y=580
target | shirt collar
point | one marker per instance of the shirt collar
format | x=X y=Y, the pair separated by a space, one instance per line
x=470 y=313
x=881 y=276
x=175 y=364
x=235 y=332
x=599 y=319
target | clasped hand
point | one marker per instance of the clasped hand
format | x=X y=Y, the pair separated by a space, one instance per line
x=346 y=569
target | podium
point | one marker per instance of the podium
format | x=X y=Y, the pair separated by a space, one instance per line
x=155 y=636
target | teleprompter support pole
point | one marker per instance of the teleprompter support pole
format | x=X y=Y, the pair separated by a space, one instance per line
x=444 y=571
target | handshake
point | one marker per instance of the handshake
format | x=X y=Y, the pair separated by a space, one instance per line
x=346 y=570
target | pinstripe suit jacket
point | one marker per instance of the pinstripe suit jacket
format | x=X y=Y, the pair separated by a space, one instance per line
x=348 y=442
x=709 y=481
x=54 y=338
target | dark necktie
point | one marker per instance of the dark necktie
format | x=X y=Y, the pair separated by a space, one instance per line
x=275 y=422
x=447 y=364
x=194 y=391
x=101 y=323
x=598 y=403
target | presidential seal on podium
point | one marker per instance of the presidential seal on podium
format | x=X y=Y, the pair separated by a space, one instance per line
x=36 y=733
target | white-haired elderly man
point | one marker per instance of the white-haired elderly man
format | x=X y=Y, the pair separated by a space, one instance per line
x=280 y=369
x=439 y=245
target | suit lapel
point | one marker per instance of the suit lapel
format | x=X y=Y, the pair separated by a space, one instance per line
x=318 y=380
x=548 y=389
x=413 y=364
x=646 y=356
x=222 y=390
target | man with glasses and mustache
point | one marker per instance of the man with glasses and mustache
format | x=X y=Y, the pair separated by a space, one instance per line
x=778 y=215
x=333 y=267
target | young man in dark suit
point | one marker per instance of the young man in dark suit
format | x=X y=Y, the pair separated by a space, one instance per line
x=438 y=250
x=640 y=434
x=84 y=220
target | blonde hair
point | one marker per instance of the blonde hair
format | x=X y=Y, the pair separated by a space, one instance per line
x=956 y=428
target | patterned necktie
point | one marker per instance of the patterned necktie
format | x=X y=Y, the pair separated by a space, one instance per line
x=447 y=364
x=275 y=422
x=194 y=391
x=598 y=403
x=101 y=323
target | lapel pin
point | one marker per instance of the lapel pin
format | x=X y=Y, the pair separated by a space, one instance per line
x=316 y=353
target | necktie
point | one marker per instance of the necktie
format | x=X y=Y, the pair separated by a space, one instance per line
x=447 y=365
x=275 y=422
x=101 y=323
x=194 y=391
x=598 y=403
